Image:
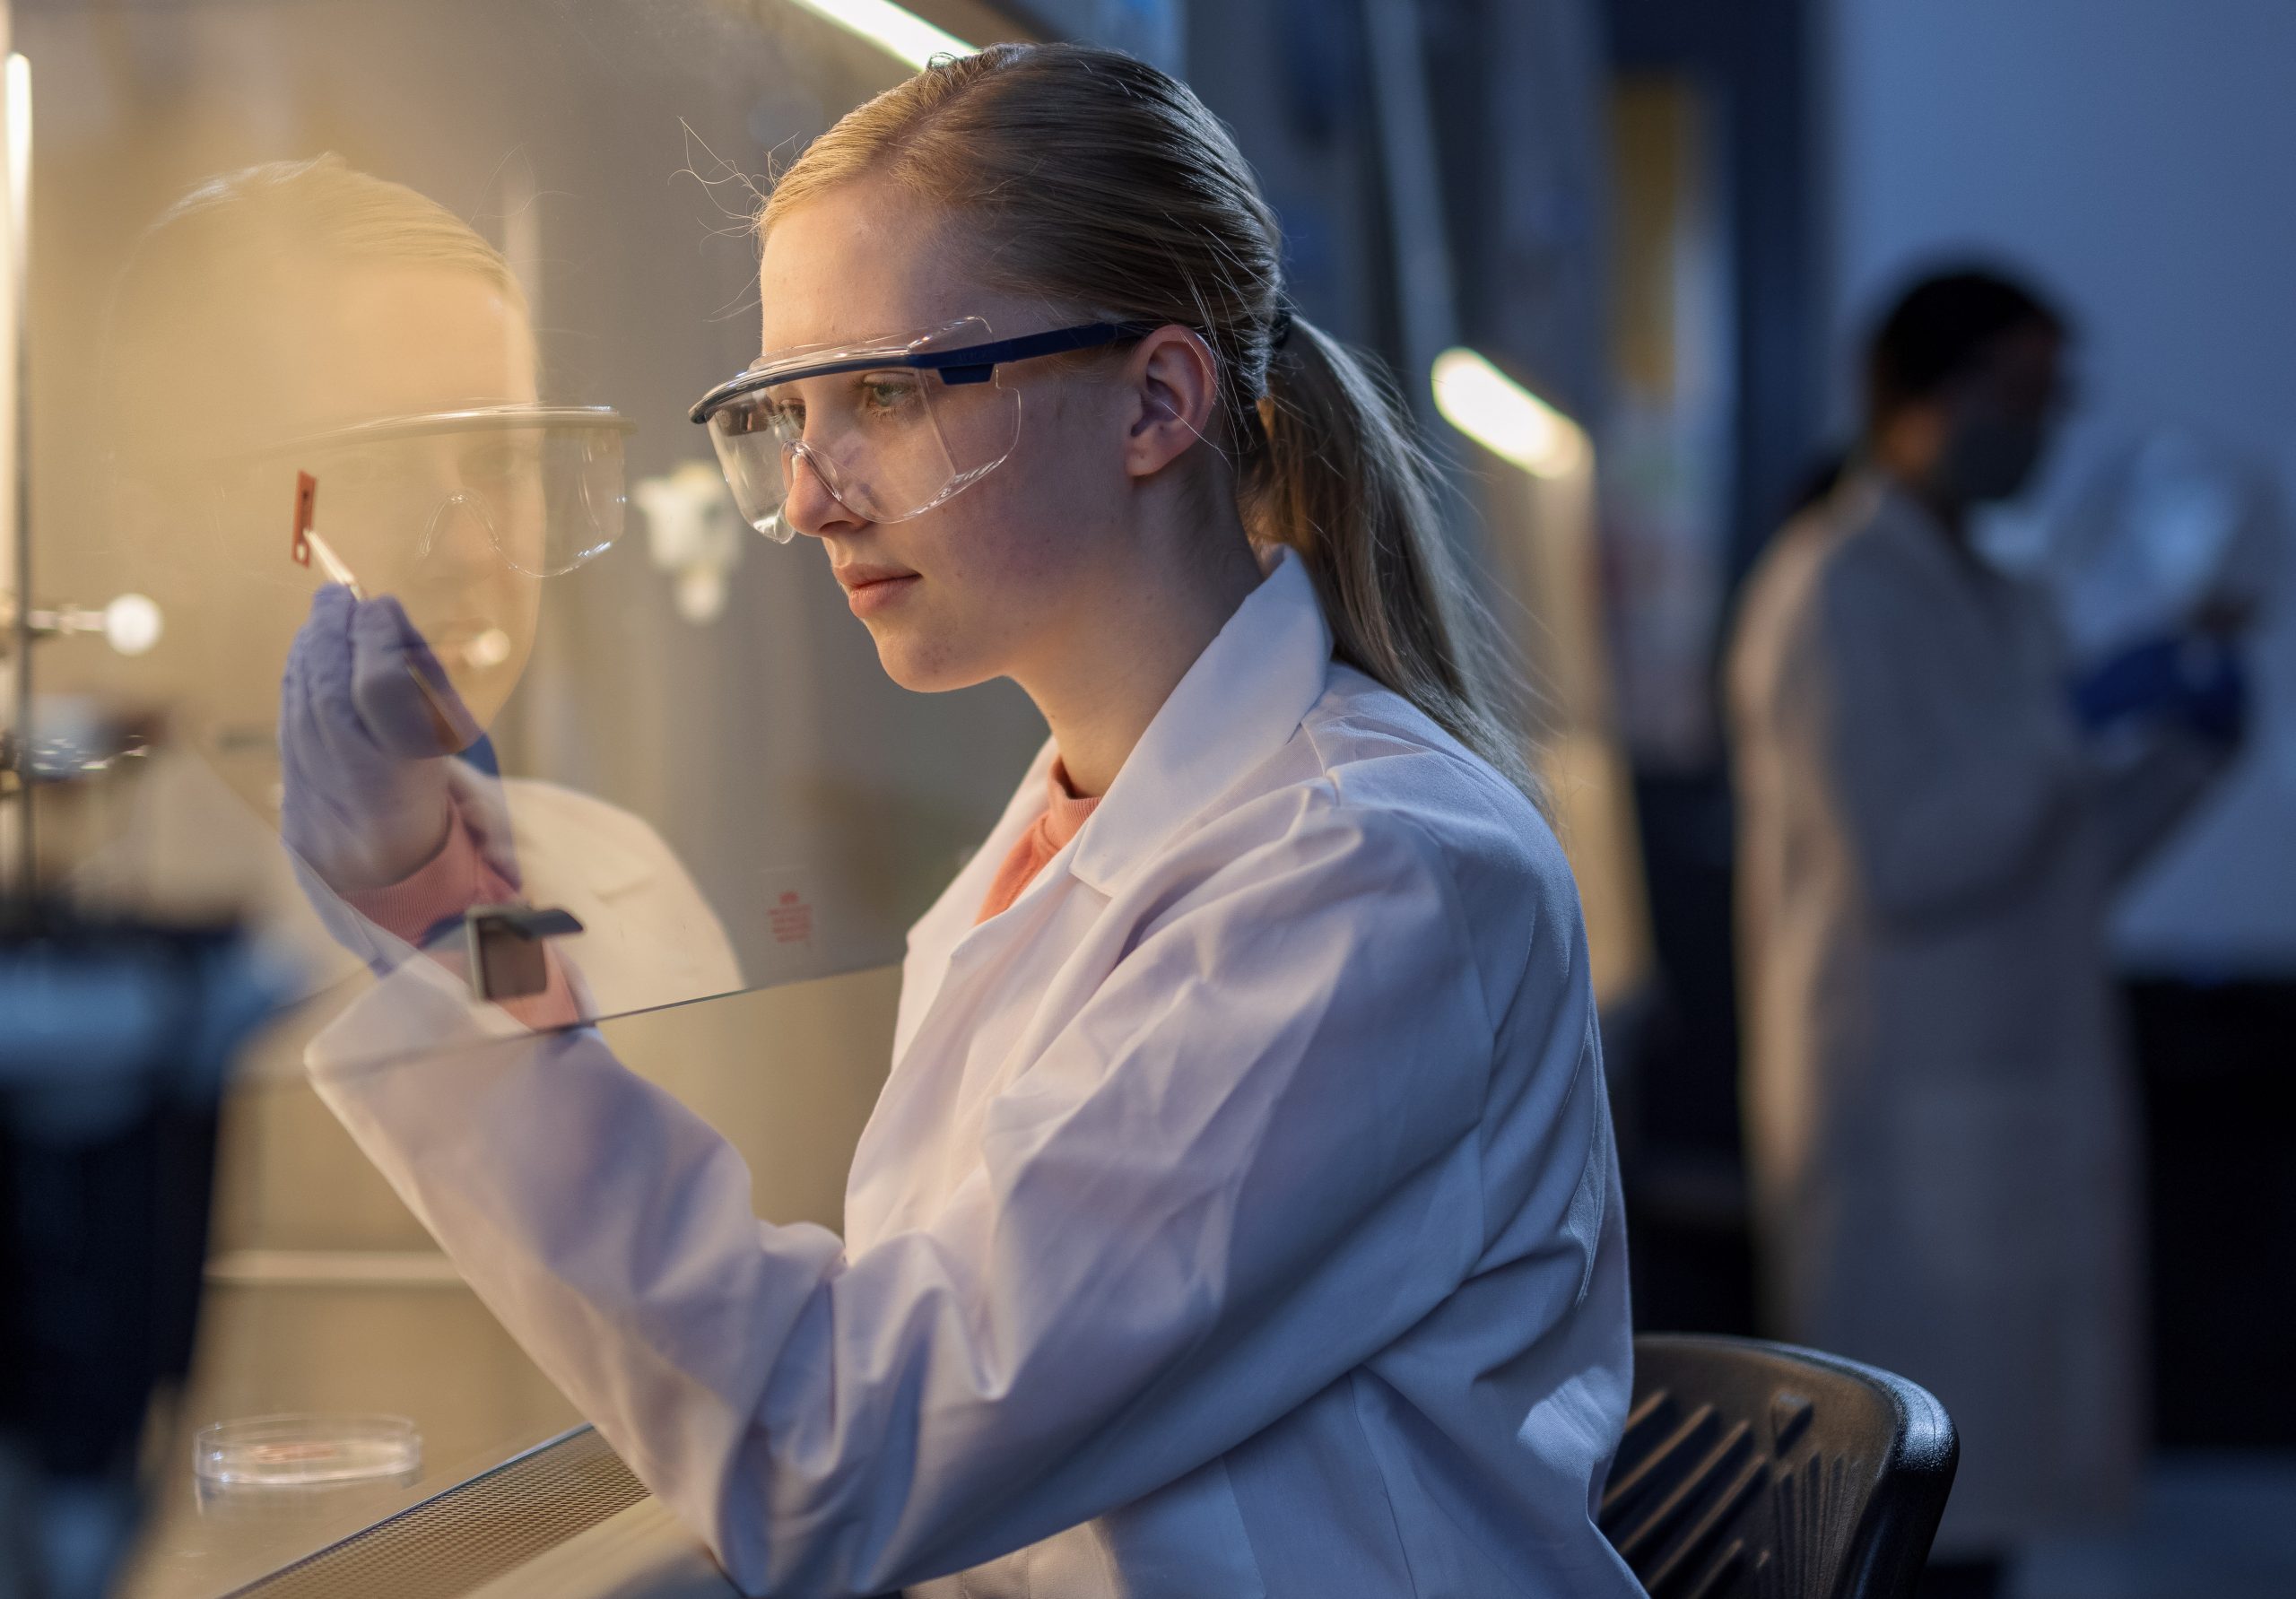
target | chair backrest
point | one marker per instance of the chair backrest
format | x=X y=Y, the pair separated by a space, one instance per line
x=1759 y=1470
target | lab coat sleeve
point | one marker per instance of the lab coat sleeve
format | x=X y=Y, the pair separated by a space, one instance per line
x=1247 y=1164
x=1947 y=804
x=2145 y=801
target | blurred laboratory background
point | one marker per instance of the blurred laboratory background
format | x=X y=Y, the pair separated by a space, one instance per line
x=1727 y=317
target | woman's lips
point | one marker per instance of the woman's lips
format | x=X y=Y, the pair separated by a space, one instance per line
x=871 y=589
x=472 y=642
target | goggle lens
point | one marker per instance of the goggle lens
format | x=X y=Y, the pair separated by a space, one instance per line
x=887 y=443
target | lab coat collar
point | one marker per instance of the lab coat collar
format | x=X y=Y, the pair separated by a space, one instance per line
x=1237 y=705
x=1869 y=498
x=1878 y=499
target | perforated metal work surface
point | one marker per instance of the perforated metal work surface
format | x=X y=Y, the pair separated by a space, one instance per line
x=470 y=1535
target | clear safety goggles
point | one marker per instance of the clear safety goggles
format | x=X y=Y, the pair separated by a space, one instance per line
x=543 y=485
x=891 y=426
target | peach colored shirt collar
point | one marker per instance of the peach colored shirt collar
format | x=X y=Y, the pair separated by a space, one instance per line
x=1064 y=817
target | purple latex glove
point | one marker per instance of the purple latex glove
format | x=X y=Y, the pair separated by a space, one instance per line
x=366 y=718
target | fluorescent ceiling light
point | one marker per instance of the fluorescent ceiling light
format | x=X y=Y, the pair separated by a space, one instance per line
x=1505 y=418
x=20 y=129
x=891 y=27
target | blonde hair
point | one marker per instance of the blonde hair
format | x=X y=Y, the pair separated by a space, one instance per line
x=288 y=212
x=203 y=283
x=1099 y=182
x=331 y=207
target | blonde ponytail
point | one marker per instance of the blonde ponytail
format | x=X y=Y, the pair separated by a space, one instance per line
x=1105 y=187
x=1341 y=479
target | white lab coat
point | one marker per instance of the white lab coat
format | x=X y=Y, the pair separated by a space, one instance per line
x=650 y=938
x=1940 y=1114
x=1239 y=1216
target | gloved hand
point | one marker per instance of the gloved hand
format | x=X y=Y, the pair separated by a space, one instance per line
x=367 y=718
x=2215 y=684
x=2194 y=679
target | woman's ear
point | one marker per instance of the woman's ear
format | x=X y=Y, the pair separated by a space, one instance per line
x=1175 y=382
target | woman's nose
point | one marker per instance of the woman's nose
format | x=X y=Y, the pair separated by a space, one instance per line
x=460 y=537
x=811 y=508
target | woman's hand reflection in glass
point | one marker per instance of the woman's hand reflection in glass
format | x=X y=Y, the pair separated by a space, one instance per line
x=367 y=718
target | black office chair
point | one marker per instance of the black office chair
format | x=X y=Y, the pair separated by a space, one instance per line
x=1759 y=1470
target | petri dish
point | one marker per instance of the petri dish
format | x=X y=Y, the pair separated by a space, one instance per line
x=305 y=1451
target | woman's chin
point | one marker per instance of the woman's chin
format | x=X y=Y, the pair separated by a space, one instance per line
x=485 y=690
x=926 y=665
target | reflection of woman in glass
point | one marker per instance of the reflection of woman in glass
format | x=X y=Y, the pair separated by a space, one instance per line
x=311 y=298
x=350 y=328
x=1239 y=1214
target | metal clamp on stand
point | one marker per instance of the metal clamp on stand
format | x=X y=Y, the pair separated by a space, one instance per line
x=504 y=943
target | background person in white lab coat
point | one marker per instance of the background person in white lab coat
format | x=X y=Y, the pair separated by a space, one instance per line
x=1239 y=1216
x=1938 y=1105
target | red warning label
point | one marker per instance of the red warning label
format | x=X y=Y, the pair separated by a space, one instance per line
x=792 y=918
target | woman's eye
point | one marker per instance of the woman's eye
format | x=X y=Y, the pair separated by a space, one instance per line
x=883 y=396
x=350 y=473
x=499 y=462
x=785 y=417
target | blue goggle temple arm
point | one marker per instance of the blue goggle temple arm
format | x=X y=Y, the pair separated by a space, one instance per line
x=969 y=363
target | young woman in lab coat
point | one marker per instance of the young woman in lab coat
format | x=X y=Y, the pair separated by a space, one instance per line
x=1239 y=1216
